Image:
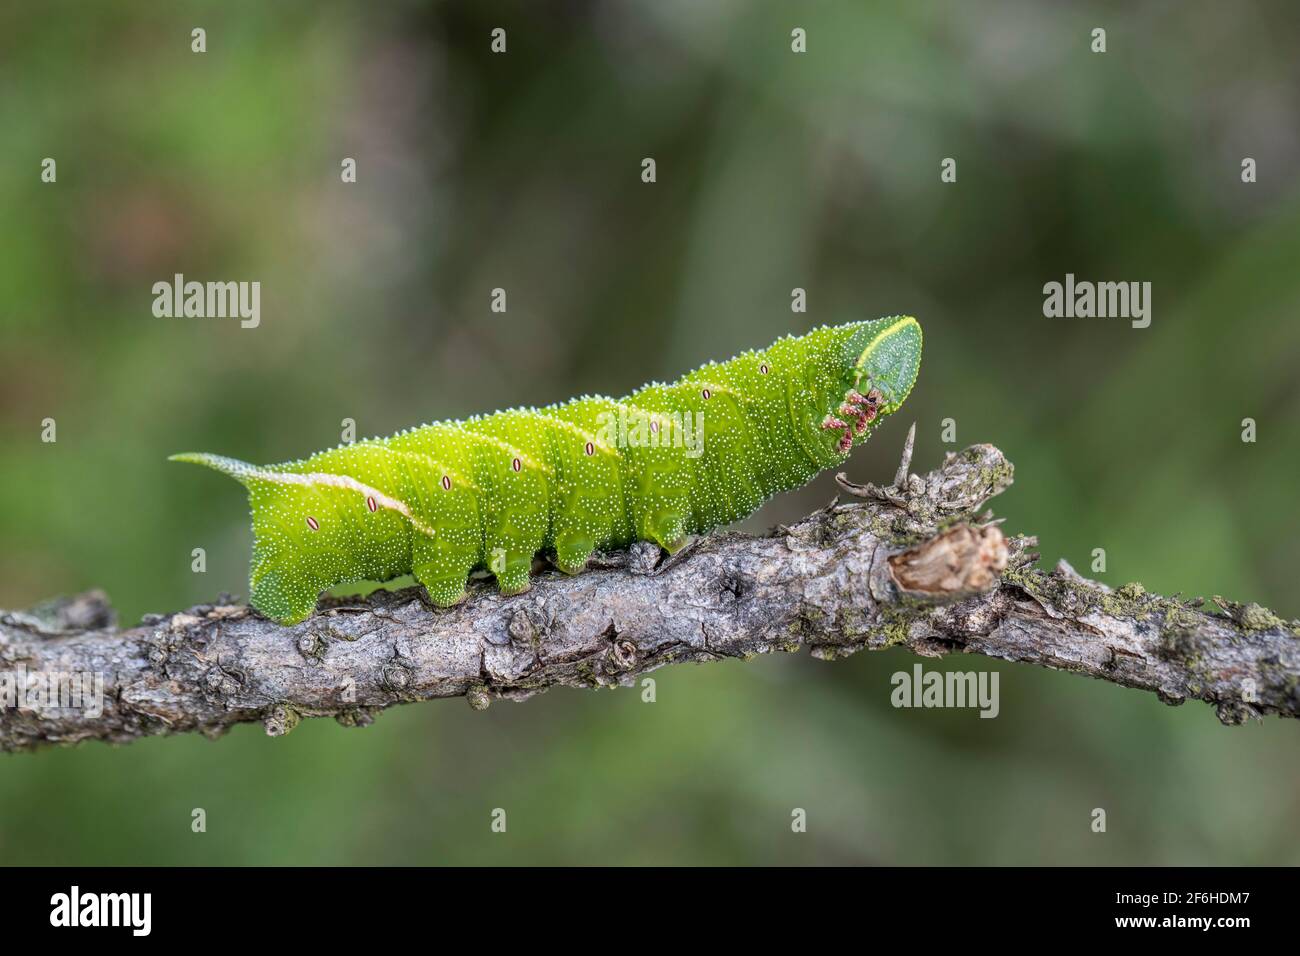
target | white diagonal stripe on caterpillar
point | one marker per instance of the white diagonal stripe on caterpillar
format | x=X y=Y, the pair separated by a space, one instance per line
x=324 y=479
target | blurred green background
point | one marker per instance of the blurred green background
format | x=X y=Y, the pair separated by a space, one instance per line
x=775 y=170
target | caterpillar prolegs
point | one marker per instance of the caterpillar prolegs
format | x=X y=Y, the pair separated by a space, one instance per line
x=442 y=500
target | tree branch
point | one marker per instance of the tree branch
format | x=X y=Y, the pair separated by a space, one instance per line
x=909 y=565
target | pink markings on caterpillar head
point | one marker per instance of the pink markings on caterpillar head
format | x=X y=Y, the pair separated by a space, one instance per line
x=831 y=423
x=371 y=503
x=590 y=449
x=872 y=401
x=860 y=418
x=516 y=464
x=863 y=409
x=763 y=368
x=706 y=393
x=313 y=523
x=446 y=482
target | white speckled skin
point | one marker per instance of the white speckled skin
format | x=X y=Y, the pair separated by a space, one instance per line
x=440 y=500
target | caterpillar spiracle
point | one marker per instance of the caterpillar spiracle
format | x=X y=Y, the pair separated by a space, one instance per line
x=442 y=500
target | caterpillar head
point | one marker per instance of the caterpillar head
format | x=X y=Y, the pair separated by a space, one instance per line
x=879 y=365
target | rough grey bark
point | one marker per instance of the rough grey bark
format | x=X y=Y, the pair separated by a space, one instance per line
x=913 y=564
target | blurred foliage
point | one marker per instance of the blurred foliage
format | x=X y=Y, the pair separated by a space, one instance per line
x=775 y=170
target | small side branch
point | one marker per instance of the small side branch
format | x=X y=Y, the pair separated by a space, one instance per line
x=914 y=565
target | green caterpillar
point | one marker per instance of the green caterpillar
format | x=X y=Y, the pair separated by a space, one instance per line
x=442 y=500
